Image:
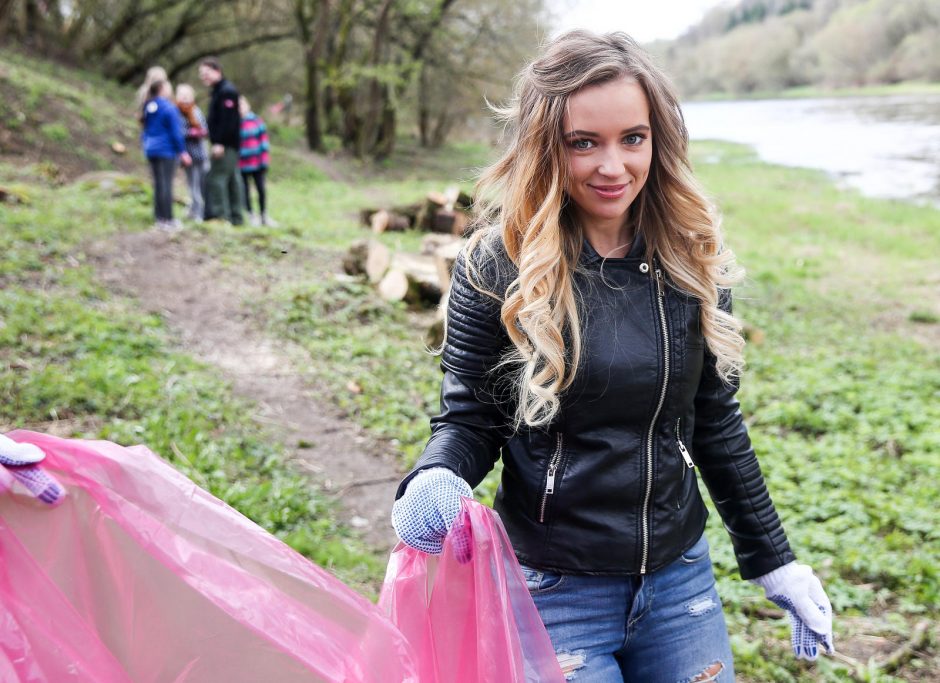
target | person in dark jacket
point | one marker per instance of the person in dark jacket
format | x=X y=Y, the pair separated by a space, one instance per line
x=163 y=144
x=590 y=343
x=223 y=182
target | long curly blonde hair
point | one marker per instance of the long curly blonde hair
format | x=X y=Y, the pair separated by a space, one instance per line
x=522 y=197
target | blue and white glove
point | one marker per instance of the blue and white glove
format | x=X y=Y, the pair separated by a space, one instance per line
x=797 y=590
x=20 y=462
x=423 y=516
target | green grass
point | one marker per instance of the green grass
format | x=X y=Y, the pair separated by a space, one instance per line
x=71 y=351
x=55 y=132
x=842 y=395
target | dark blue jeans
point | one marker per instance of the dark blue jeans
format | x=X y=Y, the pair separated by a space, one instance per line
x=665 y=627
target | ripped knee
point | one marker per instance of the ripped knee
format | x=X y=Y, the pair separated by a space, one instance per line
x=708 y=675
x=571 y=663
x=701 y=606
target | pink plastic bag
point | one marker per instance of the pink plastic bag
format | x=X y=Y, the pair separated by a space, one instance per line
x=467 y=612
x=140 y=575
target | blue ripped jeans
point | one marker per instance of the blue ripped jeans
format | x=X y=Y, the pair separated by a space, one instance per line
x=665 y=627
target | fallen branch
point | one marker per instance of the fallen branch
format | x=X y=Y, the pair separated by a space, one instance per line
x=920 y=636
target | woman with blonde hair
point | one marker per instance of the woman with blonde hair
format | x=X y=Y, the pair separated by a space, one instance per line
x=590 y=343
x=154 y=74
x=197 y=131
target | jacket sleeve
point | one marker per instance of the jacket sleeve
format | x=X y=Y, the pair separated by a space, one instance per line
x=730 y=470
x=263 y=136
x=474 y=422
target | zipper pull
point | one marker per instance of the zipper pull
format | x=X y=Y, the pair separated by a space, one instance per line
x=685 y=454
x=659 y=282
x=550 y=484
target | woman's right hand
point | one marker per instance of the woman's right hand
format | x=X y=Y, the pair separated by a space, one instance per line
x=423 y=516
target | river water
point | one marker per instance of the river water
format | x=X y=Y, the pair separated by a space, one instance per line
x=886 y=146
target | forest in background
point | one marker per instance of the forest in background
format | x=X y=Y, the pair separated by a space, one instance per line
x=359 y=71
x=362 y=72
x=771 y=45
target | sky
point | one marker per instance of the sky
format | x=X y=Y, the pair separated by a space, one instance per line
x=645 y=21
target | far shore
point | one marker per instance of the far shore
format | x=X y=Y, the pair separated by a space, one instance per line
x=815 y=92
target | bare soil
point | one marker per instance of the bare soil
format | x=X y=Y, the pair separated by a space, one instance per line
x=208 y=307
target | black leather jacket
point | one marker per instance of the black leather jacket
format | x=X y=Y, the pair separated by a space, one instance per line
x=609 y=488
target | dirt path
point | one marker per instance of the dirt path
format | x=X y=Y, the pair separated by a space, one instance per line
x=205 y=305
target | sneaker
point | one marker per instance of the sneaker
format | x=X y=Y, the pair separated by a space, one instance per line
x=268 y=221
x=170 y=226
x=254 y=219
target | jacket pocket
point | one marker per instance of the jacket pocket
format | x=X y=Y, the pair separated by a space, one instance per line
x=552 y=478
x=697 y=552
x=538 y=581
x=685 y=462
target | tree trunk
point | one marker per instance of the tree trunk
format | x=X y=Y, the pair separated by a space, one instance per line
x=7 y=11
x=376 y=93
x=316 y=92
x=424 y=110
x=312 y=119
x=385 y=144
x=441 y=128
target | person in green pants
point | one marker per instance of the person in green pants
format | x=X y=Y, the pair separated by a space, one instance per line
x=223 y=182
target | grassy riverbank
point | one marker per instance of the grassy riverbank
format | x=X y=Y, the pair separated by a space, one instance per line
x=842 y=393
x=814 y=92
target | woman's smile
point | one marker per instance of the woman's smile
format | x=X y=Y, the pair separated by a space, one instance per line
x=609 y=191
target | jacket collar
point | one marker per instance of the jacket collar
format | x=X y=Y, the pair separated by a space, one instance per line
x=589 y=255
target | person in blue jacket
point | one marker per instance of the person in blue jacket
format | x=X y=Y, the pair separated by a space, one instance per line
x=163 y=143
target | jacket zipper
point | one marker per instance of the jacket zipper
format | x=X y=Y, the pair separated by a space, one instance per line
x=550 y=479
x=659 y=406
x=682 y=449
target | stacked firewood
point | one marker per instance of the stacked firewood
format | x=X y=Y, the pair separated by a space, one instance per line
x=418 y=279
x=445 y=212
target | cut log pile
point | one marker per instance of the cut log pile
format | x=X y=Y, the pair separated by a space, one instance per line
x=445 y=212
x=421 y=279
x=418 y=279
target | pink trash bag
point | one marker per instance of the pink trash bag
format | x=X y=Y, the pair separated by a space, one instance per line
x=139 y=575
x=467 y=612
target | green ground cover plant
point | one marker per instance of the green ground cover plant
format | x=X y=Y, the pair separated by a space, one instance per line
x=842 y=393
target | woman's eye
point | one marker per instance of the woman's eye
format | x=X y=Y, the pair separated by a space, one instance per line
x=582 y=144
x=634 y=139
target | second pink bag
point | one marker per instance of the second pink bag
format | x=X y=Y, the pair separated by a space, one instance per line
x=467 y=612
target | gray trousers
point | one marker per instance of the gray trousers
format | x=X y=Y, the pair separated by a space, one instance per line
x=163 y=170
x=196 y=181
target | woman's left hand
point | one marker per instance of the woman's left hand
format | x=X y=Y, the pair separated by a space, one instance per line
x=795 y=588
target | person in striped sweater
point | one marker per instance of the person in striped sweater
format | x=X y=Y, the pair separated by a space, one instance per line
x=254 y=156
